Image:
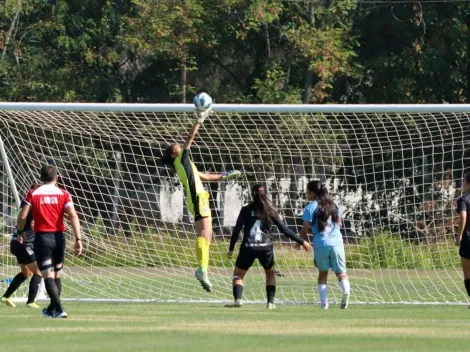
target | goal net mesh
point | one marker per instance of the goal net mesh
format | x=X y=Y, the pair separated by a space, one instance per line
x=395 y=175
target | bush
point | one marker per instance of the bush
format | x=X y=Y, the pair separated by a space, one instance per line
x=388 y=251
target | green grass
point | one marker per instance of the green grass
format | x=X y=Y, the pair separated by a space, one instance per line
x=187 y=327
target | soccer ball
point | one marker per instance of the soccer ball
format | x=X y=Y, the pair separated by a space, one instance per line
x=203 y=101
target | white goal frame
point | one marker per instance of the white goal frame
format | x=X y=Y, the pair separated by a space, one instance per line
x=328 y=110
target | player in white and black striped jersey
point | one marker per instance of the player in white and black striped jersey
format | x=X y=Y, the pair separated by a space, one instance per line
x=23 y=250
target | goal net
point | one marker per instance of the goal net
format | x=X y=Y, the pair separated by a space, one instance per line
x=395 y=170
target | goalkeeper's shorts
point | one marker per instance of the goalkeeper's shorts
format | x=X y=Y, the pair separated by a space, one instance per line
x=200 y=208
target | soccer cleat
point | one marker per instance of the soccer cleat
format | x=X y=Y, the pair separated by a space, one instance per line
x=8 y=302
x=60 y=315
x=203 y=279
x=46 y=313
x=325 y=307
x=238 y=303
x=271 y=306
x=345 y=301
x=32 y=305
x=231 y=174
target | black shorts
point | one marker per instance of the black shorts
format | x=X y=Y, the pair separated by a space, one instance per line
x=464 y=250
x=247 y=255
x=23 y=252
x=50 y=250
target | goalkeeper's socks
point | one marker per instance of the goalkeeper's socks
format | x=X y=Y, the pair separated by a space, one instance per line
x=467 y=286
x=200 y=244
x=15 y=283
x=237 y=292
x=345 y=286
x=270 y=293
x=202 y=253
x=323 y=291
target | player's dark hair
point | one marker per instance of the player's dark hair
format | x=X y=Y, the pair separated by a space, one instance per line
x=326 y=206
x=262 y=205
x=166 y=159
x=48 y=173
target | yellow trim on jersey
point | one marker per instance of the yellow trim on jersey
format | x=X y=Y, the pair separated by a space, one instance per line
x=189 y=177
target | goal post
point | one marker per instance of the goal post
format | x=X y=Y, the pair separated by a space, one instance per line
x=395 y=170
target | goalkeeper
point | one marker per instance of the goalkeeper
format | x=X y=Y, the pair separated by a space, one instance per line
x=197 y=198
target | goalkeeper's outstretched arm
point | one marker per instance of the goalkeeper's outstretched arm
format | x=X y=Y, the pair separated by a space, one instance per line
x=201 y=116
x=227 y=175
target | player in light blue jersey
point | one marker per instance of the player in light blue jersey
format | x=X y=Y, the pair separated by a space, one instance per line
x=323 y=217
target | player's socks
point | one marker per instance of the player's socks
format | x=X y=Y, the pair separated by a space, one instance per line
x=237 y=297
x=205 y=256
x=346 y=288
x=202 y=253
x=237 y=292
x=15 y=283
x=59 y=285
x=53 y=292
x=323 y=291
x=33 y=288
x=467 y=286
x=270 y=293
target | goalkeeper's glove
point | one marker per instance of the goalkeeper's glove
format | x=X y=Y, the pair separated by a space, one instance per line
x=230 y=174
x=202 y=115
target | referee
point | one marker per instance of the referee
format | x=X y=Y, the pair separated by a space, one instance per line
x=49 y=204
x=462 y=238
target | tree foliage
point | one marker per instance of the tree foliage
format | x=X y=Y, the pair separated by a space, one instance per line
x=252 y=51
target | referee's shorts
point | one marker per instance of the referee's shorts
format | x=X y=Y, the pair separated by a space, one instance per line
x=50 y=250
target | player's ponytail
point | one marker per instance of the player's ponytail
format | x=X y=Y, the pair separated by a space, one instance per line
x=326 y=206
x=262 y=205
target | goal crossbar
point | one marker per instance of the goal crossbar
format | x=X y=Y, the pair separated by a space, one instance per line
x=241 y=108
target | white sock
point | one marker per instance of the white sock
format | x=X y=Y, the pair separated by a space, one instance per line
x=345 y=286
x=323 y=291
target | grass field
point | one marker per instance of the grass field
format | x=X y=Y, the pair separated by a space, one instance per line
x=210 y=327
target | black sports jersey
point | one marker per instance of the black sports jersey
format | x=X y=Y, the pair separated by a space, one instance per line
x=463 y=204
x=28 y=230
x=257 y=234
